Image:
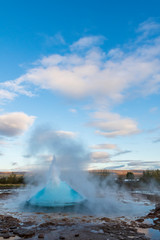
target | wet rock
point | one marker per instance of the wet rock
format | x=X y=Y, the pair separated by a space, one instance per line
x=157 y=207
x=157 y=221
x=13 y=227
x=25 y=232
x=76 y=235
x=121 y=238
x=4 y=231
x=140 y=220
x=6 y=235
x=105 y=219
x=151 y=215
x=47 y=224
x=61 y=237
x=41 y=235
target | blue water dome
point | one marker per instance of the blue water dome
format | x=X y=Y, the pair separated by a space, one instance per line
x=56 y=193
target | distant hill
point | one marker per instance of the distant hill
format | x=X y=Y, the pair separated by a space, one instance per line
x=5 y=174
x=101 y=172
x=118 y=172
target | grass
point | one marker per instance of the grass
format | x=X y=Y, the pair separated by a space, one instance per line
x=11 y=185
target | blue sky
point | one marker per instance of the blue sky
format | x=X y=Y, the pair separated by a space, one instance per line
x=90 y=72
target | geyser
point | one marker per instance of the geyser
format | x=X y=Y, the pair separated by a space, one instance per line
x=56 y=193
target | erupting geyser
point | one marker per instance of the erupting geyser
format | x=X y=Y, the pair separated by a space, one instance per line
x=56 y=193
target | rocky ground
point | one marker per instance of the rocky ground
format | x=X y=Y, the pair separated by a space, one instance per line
x=62 y=226
x=70 y=228
x=54 y=226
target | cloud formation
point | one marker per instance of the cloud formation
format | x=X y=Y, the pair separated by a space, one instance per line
x=102 y=156
x=14 y=124
x=69 y=152
x=114 y=75
x=121 y=153
x=113 y=125
x=87 y=42
x=67 y=134
x=5 y=94
x=104 y=146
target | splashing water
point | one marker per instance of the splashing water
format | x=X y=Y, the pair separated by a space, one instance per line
x=57 y=193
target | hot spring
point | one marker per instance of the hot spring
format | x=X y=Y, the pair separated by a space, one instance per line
x=56 y=193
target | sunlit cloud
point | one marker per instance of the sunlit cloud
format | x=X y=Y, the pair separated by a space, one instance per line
x=114 y=75
x=104 y=146
x=113 y=125
x=68 y=134
x=14 y=124
x=100 y=156
x=6 y=95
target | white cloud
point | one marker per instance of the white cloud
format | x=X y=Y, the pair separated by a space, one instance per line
x=15 y=87
x=148 y=28
x=14 y=124
x=113 y=125
x=111 y=76
x=104 y=146
x=66 y=133
x=11 y=89
x=86 y=42
x=137 y=72
x=100 y=156
x=5 y=94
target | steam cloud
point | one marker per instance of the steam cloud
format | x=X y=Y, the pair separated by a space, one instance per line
x=72 y=157
x=69 y=152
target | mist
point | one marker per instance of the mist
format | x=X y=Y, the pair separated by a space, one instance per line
x=72 y=159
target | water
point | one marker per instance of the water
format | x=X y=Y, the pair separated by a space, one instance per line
x=56 y=193
x=58 y=197
x=151 y=233
x=98 y=206
x=25 y=212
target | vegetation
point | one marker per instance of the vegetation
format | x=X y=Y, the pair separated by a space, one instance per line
x=12 y=179
x=130 y=175
x=151 y=175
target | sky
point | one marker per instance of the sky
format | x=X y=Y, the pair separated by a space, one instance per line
x=86 y=71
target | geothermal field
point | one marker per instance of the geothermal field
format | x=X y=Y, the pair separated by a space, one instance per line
x=80 y=119
x=95 y=207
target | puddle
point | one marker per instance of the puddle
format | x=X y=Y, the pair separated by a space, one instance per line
x=149 y=221
x=150 y=232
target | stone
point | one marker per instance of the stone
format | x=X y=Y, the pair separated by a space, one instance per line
x=4 y=231
x=41 y=235
x=6 y=235
x=25 y=232
x=13 y=227
x=140 y=220
x=61 y=237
